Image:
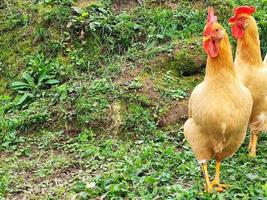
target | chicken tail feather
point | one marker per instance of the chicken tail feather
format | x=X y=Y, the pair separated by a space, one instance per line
x=265 y=59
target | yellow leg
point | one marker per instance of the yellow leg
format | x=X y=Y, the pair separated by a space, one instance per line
x=253 y=143
x=250 y=141
x=208 y=186
x=216 y=182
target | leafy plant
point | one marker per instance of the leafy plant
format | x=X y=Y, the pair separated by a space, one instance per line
x=59 y=2
x=177 y=94
x=4 y=181
x=92 y=107
x=13 y=18
x=8 y=137
x=260 y=16
x=138 y=120
x=40 y=75
x=86 y=135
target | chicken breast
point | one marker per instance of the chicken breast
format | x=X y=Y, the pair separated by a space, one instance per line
x=219 y=113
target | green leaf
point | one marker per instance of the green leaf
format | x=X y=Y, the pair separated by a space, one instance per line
x=102 y=10
x=28 y=78
x=26 y=152
x=79 y=186
x=150 y=180
x=85 y=14
x=160 y=36
x=18 y=85
x=23 y=98
x=41 y=78
x=52 y=82
x=252 y=176
x=77 y=9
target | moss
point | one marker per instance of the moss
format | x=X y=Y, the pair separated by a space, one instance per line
x=188 y=58
x=187 y=63
x=2 y=86
x=113 y=37
x=14 y=46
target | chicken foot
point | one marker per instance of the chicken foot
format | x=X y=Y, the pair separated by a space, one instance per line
x=216 y=182
x=208 y=186
x=253 y=143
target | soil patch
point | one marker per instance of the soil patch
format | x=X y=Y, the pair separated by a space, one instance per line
x=149 y=90
x=124 y=5
x=177 y=113
x=84 y=3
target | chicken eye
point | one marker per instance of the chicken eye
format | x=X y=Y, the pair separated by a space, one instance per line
x=217 y=30
x=242 y=19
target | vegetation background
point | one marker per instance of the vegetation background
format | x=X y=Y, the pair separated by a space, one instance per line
x=93 y=94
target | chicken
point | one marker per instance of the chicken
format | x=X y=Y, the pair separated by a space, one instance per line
x=219 y=107
x=251 y=69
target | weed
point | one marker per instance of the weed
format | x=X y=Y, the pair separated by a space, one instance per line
x=92 y=107
x=39 y=75
x=71 y=71
x=4 y=180
x=138 y=121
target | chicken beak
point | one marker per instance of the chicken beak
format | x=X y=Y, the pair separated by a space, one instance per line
x=232 y=23
x=206 y=38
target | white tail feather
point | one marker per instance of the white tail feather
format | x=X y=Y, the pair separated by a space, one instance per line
x=265 y=59
x=260 y=124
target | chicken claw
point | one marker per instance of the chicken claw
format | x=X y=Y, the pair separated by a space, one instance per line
x=218 y=186
x=216 y=182
x=208 y=186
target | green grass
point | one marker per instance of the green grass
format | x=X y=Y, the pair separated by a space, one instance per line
x=84 y=87
x=51 y=165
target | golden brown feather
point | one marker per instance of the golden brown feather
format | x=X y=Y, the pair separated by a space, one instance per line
x=252 y=71
x=219 y=109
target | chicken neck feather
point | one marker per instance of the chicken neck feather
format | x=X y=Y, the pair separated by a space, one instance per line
x=248 y=48
x=222 y=66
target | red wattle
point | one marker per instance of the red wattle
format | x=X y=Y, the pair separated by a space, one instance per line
x=211 y=48
x=238 y=32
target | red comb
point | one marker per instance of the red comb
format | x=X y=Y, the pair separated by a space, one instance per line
x=211 y=19
x=242 y=10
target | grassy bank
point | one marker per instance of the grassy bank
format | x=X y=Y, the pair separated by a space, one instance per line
x=93 y=95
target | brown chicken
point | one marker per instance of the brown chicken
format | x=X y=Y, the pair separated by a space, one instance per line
x=251 y=69
x=219 y=107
